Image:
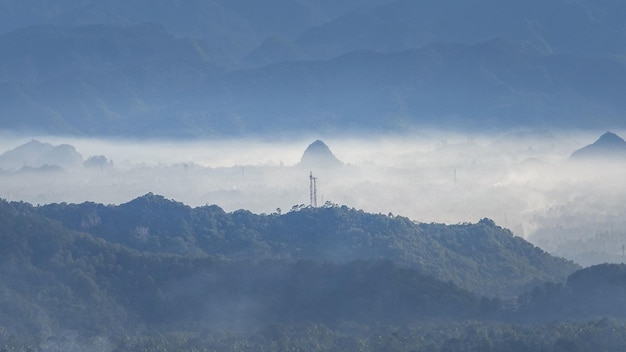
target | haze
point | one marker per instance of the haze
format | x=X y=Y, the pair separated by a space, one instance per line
x=522 y=180
x=414 y=96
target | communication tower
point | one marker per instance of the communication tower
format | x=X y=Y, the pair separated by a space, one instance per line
x=313 y=189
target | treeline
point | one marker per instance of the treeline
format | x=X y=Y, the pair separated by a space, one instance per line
x=81 y=283
x=481 y=257
x=592 y=336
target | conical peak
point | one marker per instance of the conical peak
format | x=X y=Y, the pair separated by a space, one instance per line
x=318 y=146
x=318 y=154
x=610 y=138
x=609 y=145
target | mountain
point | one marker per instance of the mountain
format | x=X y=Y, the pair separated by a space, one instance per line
x=486 y=85
x=318 y=155
x=91 y=286
x=608 y=146
x=207 y=68
x=274 y=50
x=64 y=289
x=95 y=79
x=36 y=154
x=480 y=257
x=232 y=27
x=149 y=83
x=547 y=27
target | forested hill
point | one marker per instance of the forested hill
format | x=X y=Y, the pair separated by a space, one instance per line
x=55 y=280
x=274 y=284
x=481 y=257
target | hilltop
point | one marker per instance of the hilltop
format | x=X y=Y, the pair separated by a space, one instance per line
x=608 y=146
x=317 y=154
x=481 y=257
x=155 y=272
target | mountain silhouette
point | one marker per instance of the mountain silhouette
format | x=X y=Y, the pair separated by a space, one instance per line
x=239 y=67
x=609 y=145
x=36 y=154
x=317 y=154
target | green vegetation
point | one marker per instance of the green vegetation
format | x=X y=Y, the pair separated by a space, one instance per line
x=313 y=279
x=481 y=257
x=597 y=335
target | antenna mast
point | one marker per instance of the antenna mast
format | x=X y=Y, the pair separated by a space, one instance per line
x=313 y=190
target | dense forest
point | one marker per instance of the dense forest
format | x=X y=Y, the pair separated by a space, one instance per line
x=481 y=257
x=155 y=274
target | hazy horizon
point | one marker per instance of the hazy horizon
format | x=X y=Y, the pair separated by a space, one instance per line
x=522 y=180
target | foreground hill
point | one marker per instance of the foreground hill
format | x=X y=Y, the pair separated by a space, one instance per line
x=55 y=279
x=67 y=290
x=480 y=257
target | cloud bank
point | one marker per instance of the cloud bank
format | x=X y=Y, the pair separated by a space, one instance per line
x=522 y=180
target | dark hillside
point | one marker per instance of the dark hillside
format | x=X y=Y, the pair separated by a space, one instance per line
x=61 y=287
x=481 y=257
x=85 y=284
x=596 y=291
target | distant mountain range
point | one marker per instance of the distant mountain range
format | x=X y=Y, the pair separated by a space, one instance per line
x=218 y=67
x=35 y=155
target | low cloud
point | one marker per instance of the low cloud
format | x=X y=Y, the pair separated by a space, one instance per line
x=522 y=180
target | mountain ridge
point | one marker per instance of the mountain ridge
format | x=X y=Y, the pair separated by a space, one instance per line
x=131 y=78
x=330 y=233
x=90 y=289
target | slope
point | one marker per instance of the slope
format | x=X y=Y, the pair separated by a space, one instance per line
x=557 y=26
x=608 y=147
x=480 y=257
x=56 y=280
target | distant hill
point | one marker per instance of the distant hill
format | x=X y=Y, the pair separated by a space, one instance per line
x=331 y=27
x=480 y=257
x=232 y=27
x=36 y=154
x=238 y=67
x=548 y=27
x=485 y=85
x=608 y=146
x=141 y=81
x=318 y=155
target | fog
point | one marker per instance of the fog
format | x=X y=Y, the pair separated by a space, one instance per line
x=522 y=180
